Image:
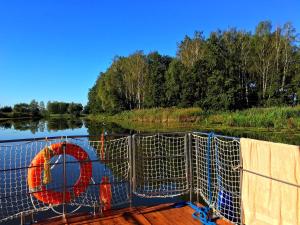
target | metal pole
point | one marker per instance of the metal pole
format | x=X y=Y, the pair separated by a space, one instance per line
x=208 y=167
x=65 y=179
x=133 y=163
x=190 y=164
x=197 y=166
x=22 y=219
x=94 y=209
x=32 y=218
x=186 y=154
x=241 y=185
x=130 y=169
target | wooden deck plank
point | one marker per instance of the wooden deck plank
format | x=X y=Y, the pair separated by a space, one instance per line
x=165 y=214
x=170 y=215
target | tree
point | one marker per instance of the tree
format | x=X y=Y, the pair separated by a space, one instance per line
x=135 y=76
x=57 y=107
x=94 y=104
x=262 y=58
x=42 y=108
x=6 y=109
x=229 y=70
x=75 y=108
x=34 y=108
x=289 y=49
x=21 y=110
x=155 y=95
x=174 y=74
x=191 y=50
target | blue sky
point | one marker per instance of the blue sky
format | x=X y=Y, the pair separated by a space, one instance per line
x=55 y=49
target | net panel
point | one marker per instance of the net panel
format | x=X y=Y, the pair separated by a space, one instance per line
x=14 y=190
x=216 y=174
x=160 y=165
x=16 y=197
x=160 y=169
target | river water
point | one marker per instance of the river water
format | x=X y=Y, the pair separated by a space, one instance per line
x=20 y=129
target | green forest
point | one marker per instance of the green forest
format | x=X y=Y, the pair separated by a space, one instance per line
x=39 y=110
x=226 y=71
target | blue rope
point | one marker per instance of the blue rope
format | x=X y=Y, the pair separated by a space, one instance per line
x=202 y=214
x=218 y=173
x=210 y=136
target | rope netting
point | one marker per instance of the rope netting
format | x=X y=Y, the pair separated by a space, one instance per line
x=160 y=165
x=90 y=172
x=82 y=187
x=216 y=174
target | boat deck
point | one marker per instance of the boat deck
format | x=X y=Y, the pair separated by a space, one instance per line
x=164 y=214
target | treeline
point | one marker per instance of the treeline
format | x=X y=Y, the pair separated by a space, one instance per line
x=35 y=109
x=229 y=70
x=64 y=108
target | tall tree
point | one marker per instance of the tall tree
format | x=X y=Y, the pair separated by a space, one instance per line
x=136 y=74
x=155 y=95
x=191 y=50
x=263 y=55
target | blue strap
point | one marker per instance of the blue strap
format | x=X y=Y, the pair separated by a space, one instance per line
x=210 y=136
x=201 y=214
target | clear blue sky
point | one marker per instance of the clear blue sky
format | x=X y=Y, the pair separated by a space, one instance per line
x=55 y=49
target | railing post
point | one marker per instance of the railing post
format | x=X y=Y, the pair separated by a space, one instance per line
x=190 y=164
x=130 y=169
x=133 y=163
x=22 y=217
x=208 y=159
x=32 y=218
x=241 y=183
x=197 y=166
x=65 y=179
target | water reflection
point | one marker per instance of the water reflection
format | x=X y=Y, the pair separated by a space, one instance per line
x=96 y=129
x=22 y=125
x=56 y=124
x=16 y=129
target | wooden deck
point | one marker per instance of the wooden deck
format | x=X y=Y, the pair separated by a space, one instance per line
x=164 y=214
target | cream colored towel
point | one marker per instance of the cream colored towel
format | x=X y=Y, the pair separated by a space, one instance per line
x=265 y=201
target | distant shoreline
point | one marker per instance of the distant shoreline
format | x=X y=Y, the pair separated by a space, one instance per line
x=41 y=117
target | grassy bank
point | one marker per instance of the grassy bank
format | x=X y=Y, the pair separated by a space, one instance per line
x=64 y=116
x=274 y=117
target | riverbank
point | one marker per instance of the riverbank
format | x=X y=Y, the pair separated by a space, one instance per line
x=14 y=116
x=287 y=118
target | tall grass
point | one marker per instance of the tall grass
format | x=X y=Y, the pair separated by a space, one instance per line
x=158 y=115
x=273 y=117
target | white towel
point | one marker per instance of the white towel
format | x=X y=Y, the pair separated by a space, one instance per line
x=265 y=201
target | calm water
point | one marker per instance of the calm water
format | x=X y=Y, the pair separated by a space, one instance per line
x=18 y=129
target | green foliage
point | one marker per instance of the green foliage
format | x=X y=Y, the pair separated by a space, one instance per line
x=26 y=110
x=6 y=109
x=155 y=95
x=75 y=108
x=229 y=70
x=57 y=107
x=64 y=108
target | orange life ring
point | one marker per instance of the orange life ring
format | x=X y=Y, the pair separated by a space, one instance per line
x=40 y=191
